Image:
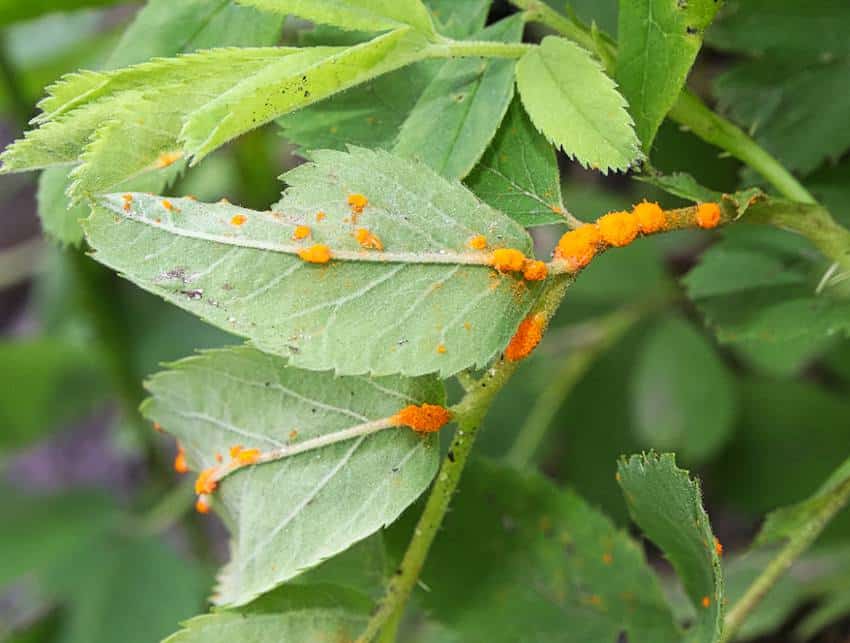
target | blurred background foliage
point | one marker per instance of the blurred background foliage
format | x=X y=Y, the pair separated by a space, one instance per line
x=659 y=345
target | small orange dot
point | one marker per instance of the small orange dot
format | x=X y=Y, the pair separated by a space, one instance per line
x=202 y=506
x=180 y=465
x=534 y=270
x=320 y=216
x=708 y=215
x=238 y=220
x=368 y=240
x=478 y=242
x=718 y=547
x=607 y=558
x=301 y=232
x=357 y=202
x=167 y=158
x=441 y=349
x=706 y=602
x=168 y=205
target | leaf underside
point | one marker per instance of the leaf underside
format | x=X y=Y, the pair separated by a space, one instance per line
x=289 y=515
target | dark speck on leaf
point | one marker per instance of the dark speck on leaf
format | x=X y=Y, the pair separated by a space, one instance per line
x=692 y=30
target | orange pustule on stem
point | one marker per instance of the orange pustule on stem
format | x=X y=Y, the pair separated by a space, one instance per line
x=425 y=418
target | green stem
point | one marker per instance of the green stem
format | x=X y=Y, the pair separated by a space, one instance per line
x=530 y=437
x=797 y=544
x=469 y=413
x=471 y=48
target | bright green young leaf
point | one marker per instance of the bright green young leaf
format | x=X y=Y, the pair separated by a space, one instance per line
x=327 y=498
x=658 y=43
x=781 y=523
x=292 y=83
x=678 y=372
x=293 y=613
x=459 y=112
x=518 y=173
x=168 y=28
x=682 y=185
x=364 y=15
x=519 y=560
x=416 y=307
x=371 y=114
x=44 y=383
x=576 y=105
x=667 y=505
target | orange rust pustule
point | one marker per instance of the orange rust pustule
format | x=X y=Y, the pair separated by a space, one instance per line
x=708 y=215
x=357 y=203
x=367 y=239
x=238 y=220
x=650 y=217
x=425 y=418
x=507 y=260
x=202 y=506
x=526 y=338
x=205 y=484
x=320 y=216
x=718 y=547
x=168 y=158
x=315 y=254
x=578 y=247
x=180 y=465
x=247 y=456
x=477 y=242
x=301 y=232
x=618 y=229
x=534 y=270
x=706 y=602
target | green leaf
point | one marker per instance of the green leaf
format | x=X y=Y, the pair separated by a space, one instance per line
x=781 y=523
x=301 y=613
x=371 y=114
x=682 y=185
x=756 y=26
x=168 y=28
x=13 y=11
x=365 y=15
x=658 y=43
x=796 y=107
x=48 y=529
x=667 y=505
x=758 y=285
x=292 y=83
x=59 y=219
x=459 y=112
x=414 y=308
x=674 y=410
x=331 y=497
x=44 y=383
x=518 y=173
x=576 y=105
x=519 y=559
x=128 y=589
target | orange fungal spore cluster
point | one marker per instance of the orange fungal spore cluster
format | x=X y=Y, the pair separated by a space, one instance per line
x=315 y=254
x=202 y=506
x=180 y=465
x=244 y=456
x=425 y=418
x=526 y=338
x=368 y=239
x=534 y=270
x=618 y=229
x=301 y=232
x=708 y=215
x=650 y=217
x=320 y=216
x=238 y=220
x=357 y=203
x=477 y=242
x=507 y=260
x=128 y=201
x=578 y=247
x=205 y=483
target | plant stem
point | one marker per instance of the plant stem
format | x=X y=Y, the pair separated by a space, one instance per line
x=469 y=412
x=797 y=544
x=533 y=431
x=688 y=111
x=484 y=48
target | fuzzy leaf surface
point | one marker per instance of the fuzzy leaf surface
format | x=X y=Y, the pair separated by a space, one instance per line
x=289 y=515
x=413 y=308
